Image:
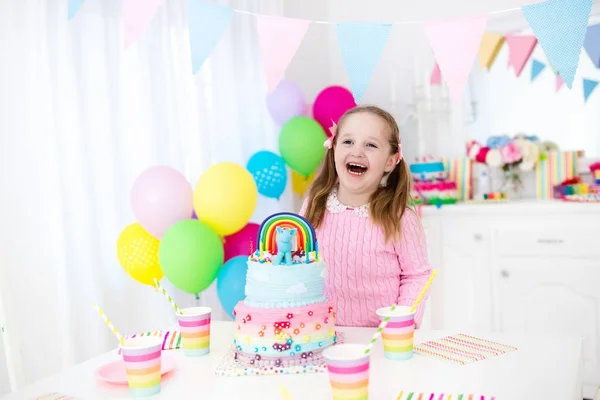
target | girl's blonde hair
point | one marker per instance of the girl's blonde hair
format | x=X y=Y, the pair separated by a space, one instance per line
x=388 y=203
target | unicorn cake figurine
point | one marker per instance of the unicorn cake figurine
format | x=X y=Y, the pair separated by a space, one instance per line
x=285 y=319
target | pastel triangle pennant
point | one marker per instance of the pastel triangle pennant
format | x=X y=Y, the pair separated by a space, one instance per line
x=279 y=39
x=559 y=82
x=455 y=43
x=73 y=7
x=361 y=45
x=436 y=75
x=589 y=86
x=591 y=44
x=536 y=68
x=560 y=27
x=519 y=51
x=137 y=14
x=490 y=46
x=207 y=22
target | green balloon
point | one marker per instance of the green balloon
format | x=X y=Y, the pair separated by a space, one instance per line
x=190 y=255
x=301 y=144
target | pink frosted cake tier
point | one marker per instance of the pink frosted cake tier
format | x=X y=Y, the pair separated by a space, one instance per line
x=283 y=336
x=437 y=192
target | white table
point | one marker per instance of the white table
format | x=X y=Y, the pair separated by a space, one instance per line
x=548 y=368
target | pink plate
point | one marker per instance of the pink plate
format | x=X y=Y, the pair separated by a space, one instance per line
x=114 y=372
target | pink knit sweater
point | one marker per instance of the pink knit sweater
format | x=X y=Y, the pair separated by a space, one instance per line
x=364 y=272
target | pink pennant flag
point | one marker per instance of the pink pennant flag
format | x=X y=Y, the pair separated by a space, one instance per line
x=455 y=43
x=559 y=82
x=279 y=39
x=519 y=51
x=137 y=14
x=436 y=75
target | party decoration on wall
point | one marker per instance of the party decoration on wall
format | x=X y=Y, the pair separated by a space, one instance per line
x=279 y=39
x=361 y=45
x=559 y=82
x=137 y=14
x=519 y=51
x=331 y=103
x=588 y=87
x=225 y=197
x=137 y=252
x=160 y=197
x=301 y=183
x=490 y=46
x=460 y=170
x=591 y=44
x=536 y=68
x=554 y=168
x=301 y=144
x=191 y=254
x=436 y=76
x=286 y=102
x=306 y=237
x=560 y=27
x=231 y=283
x=269 y=173
x=207 y=22
x=241 y=242
x=455 y=43
x=73 y=7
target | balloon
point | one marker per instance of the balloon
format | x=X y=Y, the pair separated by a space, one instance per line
x=301 y=183
x=190 y=255
x=231 y=283
x=269 y=172
x=160 y=197
x=331 y=104
x=225 y=197
x=286 y=101
x=238 y=244
x=137 y=252
x=301 y=144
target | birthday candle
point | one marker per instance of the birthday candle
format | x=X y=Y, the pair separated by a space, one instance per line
x=251 y=248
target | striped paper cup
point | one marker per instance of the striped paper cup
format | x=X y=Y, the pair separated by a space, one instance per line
x=194 y=325
x=142 y=357
x=348 y=367
x=397 y=336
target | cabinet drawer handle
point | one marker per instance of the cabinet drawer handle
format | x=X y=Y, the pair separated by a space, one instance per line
x=504 y=273
x=550 y=241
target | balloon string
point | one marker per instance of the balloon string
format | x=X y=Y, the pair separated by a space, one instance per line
x=197 y=296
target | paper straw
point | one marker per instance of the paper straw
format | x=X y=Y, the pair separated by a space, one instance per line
x=169 y=298
x=418 y=300
x=109 y=324
x=379 y=329
x=285 y=393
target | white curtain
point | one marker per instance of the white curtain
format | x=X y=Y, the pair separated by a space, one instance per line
x=80 y=118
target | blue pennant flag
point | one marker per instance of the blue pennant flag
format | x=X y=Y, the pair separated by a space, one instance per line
x=591 y=44
x=588 y=87
x=73 y=7
x=361 y=45
x=207 y=23
x=560 y=27
x=536 y=68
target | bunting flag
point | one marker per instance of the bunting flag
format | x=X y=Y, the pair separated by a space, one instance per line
x=455 y=43
x=361 y=45
x=591 y=44
x=491 y=43
x=519 y=51
x=74 y=7
x=436 y=76
x=137 y=14
x=588 y=87
x=207 y=23
x=536 y=68
x=560 y=27
x=559 y=82
x=279 y=40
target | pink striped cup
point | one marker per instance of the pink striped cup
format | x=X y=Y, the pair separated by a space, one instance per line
x=397 y=336
x=142 y=357
x=194 y=325
x=348 y=367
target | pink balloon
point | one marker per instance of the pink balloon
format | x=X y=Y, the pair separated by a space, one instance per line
x=238 y=244
x=331 y=104
x=160 y=197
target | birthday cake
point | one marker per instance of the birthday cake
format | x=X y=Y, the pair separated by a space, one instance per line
x=285 y=318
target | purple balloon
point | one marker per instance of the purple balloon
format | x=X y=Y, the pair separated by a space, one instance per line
x=287 y=101
x=160 y=197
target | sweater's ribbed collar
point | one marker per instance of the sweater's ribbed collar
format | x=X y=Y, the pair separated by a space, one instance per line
x=334 y=206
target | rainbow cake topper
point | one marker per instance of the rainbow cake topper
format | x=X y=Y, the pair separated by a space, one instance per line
x=305 y=234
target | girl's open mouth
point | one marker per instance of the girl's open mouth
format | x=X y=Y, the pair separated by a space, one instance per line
x=356 y=169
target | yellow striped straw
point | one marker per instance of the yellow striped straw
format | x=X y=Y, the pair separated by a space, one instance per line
x=109 y=324
x=285 y=393
x=400 y=395
x=169 y=298
x=424 y=290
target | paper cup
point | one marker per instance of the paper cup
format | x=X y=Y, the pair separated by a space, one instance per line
x=348 y=367
x=397 y=336
x=194 y=325
x=142 y=357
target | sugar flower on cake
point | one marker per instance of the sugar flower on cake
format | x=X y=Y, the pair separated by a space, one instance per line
x=298 y=288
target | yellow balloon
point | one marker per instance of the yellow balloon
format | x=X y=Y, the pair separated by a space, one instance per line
x=225 y=197
x=137 y=252
x=301 y=183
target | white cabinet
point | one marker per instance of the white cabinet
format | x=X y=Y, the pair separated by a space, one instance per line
x=4 y=382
